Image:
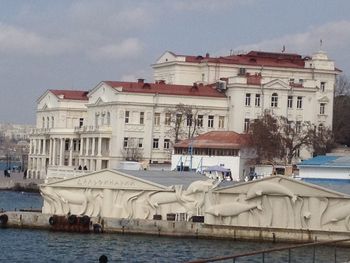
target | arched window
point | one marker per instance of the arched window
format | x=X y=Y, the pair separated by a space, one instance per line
x=48 y=122
x=43 y=124
x=52 y=122
x=274 y=100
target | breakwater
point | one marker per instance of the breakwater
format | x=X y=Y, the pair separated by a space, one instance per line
x=35 y=220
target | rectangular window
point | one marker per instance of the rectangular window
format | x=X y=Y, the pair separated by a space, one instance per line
x=66 y=145
x=298 y=126
x=300 y=102
x=127 y=116
x=210 y=121
x=246 y=125
x=221 y=122
x=156 y=118
x=290 y=102
x=166 y=143
x=167 y=118
x=322 y=108
x=200 y=121
x=140 y=143
x=155 y=143
x=178 y=119
x=126 y=140
x=81 y=122
x=189 y=119
x=301 y=81
x=323 y=86
x=257 y=100
x=247 y=99
x=291 y=81
x=274 y=100
x=142 y=117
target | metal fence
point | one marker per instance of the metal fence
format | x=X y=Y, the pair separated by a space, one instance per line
x=262 y=254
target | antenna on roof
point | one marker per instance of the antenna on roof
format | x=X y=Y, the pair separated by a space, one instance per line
x=283 y=48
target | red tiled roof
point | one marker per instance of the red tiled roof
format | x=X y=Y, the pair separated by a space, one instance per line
x=167 y=89
x=216 y=139
x=254 y=58
x=71 y=94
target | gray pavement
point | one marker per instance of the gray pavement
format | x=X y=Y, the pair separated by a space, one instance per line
x=16 y=179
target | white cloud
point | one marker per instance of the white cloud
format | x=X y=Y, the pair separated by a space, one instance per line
x=129 y=48
x=335 y=36
x=15 y=40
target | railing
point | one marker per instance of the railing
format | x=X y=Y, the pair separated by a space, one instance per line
x=64 y=172
x=278 y=249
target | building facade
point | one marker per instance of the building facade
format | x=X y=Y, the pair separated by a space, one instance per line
x=118 y=121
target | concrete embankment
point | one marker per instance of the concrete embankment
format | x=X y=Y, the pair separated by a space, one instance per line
x=34 y=220
x=16 y=182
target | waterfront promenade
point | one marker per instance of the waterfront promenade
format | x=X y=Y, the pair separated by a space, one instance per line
x=16 y=182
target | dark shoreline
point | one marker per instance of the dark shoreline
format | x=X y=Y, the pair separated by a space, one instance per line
x=18 y=187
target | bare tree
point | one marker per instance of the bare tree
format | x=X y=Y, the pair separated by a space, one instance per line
x=185 y=122
x=132 y=151
x=342 y=86
x=321 y=140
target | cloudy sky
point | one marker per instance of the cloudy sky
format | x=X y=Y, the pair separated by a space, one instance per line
x=48 y=44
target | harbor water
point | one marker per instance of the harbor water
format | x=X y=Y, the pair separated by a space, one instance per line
x=24 y=245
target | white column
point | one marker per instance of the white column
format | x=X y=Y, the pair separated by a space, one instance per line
x=53 y=162
x=93 y=146
x=87 y=146
x=39 y=146
x=70 y=151
x=81 y=146
x=35 y=143
x=99 y=148
x=50 y=152
x=61 y=151
x=44 y=147
x=30 y=146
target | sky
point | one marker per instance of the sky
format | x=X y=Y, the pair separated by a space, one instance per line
x=49 y=44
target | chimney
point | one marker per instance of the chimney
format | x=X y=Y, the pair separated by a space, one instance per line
x=140 y=80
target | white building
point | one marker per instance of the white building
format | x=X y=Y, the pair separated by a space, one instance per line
x=225 y=149
x=97 y=129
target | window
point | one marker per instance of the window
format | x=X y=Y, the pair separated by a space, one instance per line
x=247 y=99
x=320 y=127
x=274 y=100
x=322 y=108
x=155 y=143
x=189 y=119
x=108 y=118
x=290 y=102
x=301 y=81
x=210 y=121
x=66 y=145
x=300 y=102
x=47 y=122
x=43 y=124
x=166 y=143
x=142 y=117
x=126 y=140
x=96 y=119
x=246 y=125
x=178 y=119
x=323 y=86
x=291 y=81
x=221 y=122
x=298 y=126
x=200 y=121
x=156 y=118
x=242 y=71
x=103 y=118
x=81 y=122
x=52 y=122
x=127 y=116
x=140 y=143
x=167 y=118
x=257 y=100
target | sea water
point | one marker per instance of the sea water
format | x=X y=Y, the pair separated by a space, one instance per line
x=24 y=245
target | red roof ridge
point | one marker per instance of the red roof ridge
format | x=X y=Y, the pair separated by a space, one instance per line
x=70 y=94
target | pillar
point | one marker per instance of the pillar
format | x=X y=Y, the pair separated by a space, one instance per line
x=61 y=151
x=70 y=151
x=54 y=152
x=93 y=146
x=50 y=152
x=99 y=148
